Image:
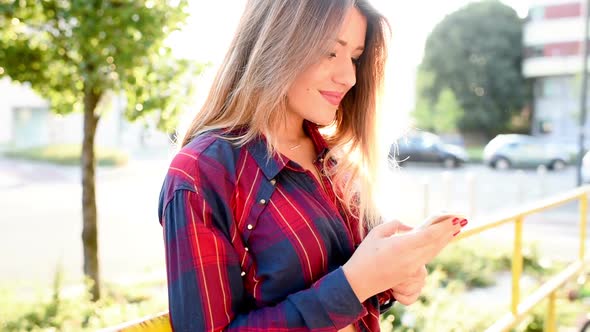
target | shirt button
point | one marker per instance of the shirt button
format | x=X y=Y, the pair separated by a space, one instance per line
x=243 y=273
x=321 y=160
x=246 y=248
x=273 y=182
x=262 y=201
x=250 y=226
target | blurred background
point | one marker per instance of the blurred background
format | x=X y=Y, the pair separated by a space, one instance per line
x=485 y=112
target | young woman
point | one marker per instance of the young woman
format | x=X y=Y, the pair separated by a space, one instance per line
x=270 y=225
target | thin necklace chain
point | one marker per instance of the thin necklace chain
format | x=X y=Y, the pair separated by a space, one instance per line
x=295 y=147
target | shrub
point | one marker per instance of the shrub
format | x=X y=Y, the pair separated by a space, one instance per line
x=69 y=154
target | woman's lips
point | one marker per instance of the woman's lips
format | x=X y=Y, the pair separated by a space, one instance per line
x=332 y=97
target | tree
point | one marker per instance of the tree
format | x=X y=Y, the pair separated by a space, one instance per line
x=443 y=115
x=74 y=53
x=447 y=112
x=423 y=110
x=476 y=52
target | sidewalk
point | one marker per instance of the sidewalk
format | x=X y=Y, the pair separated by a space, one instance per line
x=17 y=172
x=14 y=172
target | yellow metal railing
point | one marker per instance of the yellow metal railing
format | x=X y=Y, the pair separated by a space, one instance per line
x=518 y=309
x=157 y=323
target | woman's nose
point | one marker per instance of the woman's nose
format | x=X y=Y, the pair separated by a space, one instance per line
x=345 y=73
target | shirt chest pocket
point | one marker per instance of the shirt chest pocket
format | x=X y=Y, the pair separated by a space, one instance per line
x=289 y=237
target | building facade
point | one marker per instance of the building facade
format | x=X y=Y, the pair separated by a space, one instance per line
x=26 y=121
x=552 y=37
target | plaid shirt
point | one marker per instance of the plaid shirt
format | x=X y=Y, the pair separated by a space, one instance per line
x=256 y=244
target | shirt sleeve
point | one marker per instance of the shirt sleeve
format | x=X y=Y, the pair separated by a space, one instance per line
x=206 y=290
x=386 y=300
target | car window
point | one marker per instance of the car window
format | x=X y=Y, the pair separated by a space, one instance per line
x=427 y=142
x=512 y=145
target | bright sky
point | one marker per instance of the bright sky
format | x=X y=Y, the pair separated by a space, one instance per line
x=212 y=23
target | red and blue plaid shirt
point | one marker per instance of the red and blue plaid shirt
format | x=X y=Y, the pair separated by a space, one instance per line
x=256 y=244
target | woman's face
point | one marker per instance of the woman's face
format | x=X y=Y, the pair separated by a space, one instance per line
x=317 y=91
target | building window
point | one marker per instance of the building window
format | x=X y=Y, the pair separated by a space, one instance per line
x=534 y=51
x=551 y=87
x=554 y=50
x=545 y=126
x=536 y=14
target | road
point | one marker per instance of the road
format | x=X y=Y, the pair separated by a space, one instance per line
x=481 y=193
x=41 y=220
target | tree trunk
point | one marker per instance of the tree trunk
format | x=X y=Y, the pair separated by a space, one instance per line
x=89 y=230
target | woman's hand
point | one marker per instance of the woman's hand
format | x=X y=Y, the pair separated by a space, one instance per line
x=386 y=258
x=409 y=291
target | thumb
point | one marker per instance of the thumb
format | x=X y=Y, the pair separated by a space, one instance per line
x=390 y=228
x=403 y=227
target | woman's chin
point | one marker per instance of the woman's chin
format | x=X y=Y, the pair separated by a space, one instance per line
x=323 y=120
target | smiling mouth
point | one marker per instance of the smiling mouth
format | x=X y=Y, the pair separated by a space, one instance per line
x=333 y=98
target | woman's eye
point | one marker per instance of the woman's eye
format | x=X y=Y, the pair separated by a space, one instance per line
x=356 y=61
x=332 y=55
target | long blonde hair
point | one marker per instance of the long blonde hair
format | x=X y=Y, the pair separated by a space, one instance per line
x=275 y=41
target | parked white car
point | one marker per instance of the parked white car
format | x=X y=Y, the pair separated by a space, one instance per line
x=515 y=150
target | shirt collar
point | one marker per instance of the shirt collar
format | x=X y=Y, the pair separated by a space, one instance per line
x=274 y=165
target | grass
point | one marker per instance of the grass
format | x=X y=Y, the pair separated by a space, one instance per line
x=68 y=154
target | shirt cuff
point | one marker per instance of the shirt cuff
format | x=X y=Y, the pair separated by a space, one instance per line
x=332 y=303
x=339 y=300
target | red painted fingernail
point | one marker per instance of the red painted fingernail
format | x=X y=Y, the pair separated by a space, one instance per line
x=455 y=221
x=464 y=222
x=456 y=233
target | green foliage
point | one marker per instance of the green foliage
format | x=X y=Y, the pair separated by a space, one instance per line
x=69 y=154
x=69 y=51
x=462 y=267
x=78 y=313
x=476 y=53
x=475 y=154
x=447 y=112
x=422 y=114
x=440 y=116
x=476 y=264
x=440 y=309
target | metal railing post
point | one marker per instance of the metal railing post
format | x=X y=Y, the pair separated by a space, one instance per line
x=472 y=194
x=583 y=221
x=550 y=321
x=516 y=264
x=426 y=198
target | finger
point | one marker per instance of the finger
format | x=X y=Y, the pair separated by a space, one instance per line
x=406 y=299
x=429 y=252
x=409 y=289
x=427 y=236
x=404 y=228
x=426 y=243
x=421 y=273
x=447 y=214
x=387 y=229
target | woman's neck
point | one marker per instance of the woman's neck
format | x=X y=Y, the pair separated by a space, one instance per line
x=291 y=131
